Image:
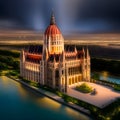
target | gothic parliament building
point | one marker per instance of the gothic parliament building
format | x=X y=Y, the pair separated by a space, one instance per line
x=52 y=64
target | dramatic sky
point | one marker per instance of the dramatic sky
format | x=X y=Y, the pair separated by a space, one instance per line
x=71 y=15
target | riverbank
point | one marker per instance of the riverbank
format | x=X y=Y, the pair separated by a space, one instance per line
x=55 y=97
x=110 y=112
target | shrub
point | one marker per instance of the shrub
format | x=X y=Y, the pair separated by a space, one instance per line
x=85 y=88
x=117 y=87
x=59 y=93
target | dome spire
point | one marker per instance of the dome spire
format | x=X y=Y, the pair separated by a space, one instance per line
x=52 y=20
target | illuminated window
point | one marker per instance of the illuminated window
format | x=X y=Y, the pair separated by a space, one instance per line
x=76 y=79
x=69 y=81
x=79 y=78
x=73 y=80
x=63 y=81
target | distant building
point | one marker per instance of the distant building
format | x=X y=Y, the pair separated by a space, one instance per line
x=52 y=65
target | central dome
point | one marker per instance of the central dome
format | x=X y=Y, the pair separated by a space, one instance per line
x=53 y=39
x=52 y=30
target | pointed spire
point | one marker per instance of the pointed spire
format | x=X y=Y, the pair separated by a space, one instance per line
x=83 y=52
x=47 y=54
x=52 y=20
x=87 y=54
x=22 y=55
x=22 y=51
x=63 y=55
x=75 y=49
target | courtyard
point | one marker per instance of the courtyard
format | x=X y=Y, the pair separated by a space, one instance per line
x=105 y=95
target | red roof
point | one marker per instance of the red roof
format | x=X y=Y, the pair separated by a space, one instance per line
x=52 y=30
x=68 y=54
x=34 y=56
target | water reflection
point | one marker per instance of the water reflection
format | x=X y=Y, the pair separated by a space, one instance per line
x=106 y=76
x=17 y=102
x=71 y=113
x=49 y=103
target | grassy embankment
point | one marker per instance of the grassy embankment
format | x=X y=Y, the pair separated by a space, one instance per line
x=9 y=65
x=9 y=62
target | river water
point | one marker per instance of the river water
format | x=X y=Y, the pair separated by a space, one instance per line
x=106 y=76
x=18 y=102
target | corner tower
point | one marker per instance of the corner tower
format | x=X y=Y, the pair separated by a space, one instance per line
x=53 y=39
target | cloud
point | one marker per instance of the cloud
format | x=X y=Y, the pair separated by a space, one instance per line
x=9 y=24
x=70 y=14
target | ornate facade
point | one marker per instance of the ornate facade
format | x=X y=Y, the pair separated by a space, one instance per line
x=52 y=65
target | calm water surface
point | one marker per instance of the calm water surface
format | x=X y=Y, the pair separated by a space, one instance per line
x=107 y=77
x=18 y=102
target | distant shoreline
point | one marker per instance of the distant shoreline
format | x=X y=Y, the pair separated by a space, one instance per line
x=66 y=41
x=98 y=51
